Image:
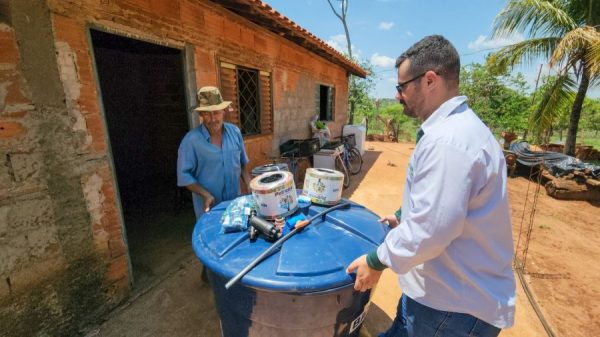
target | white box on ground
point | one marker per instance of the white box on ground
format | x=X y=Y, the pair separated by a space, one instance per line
x=360 y=134
x=326 y=158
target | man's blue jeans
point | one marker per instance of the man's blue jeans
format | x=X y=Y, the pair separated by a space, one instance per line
x=416 y=320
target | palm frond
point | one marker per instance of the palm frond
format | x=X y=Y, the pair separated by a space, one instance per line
x=555 y=101
x=592 y=56
x=580 y=44
x=526 y=52
x=595 y=80
x=544 y=17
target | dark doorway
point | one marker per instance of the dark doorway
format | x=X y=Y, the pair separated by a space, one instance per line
x=142 y=88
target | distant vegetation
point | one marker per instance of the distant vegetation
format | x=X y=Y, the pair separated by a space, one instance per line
x=562 y=33
x=502 y=100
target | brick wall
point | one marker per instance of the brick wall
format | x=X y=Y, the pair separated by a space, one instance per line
x=63 y=259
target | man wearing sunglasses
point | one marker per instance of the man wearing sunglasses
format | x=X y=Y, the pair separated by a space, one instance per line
x=451 y=244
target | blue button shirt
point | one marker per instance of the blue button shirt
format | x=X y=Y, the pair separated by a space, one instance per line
x=217 y=170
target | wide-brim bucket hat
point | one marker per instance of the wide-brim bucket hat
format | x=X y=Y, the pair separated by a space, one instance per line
x=210 y=99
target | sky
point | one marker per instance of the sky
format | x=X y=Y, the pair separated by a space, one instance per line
x=380 y=30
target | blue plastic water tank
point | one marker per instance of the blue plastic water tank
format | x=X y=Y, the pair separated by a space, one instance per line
x=303 y=289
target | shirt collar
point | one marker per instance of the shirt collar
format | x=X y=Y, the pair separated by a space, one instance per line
x=443 y=111
x=204 y=132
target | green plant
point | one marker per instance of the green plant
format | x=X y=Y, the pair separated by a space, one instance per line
x=565 y=32
x=319 y=125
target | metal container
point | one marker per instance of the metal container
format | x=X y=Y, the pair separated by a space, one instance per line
x=323 y=186
x=269 y=168
x=275 y=194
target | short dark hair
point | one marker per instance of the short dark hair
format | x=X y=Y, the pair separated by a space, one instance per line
x=435 y=53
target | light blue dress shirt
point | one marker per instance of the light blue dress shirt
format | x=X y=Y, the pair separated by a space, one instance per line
x=216 y=169
x=453 y=248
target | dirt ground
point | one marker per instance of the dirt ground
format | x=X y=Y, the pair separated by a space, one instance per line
x=560 y=266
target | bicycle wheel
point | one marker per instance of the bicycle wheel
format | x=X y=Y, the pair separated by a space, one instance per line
x=339 y=165
x=355 y=160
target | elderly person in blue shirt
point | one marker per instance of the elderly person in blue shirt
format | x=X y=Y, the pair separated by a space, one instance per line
x=452 y=243
x=212 y=157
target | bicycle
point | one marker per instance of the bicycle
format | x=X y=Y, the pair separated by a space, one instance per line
x=340 y=166
x=351 y=155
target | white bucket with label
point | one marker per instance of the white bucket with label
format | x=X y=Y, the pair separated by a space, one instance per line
x=323 y=186
x=275 y=194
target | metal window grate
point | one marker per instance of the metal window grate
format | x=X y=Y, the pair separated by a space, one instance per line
x=249 y=102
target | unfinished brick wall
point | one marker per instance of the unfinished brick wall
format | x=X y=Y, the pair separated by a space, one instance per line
x=63 y=258
x=218 y=34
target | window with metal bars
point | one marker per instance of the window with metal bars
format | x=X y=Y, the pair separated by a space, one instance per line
x=250 y=93
x=249 y=100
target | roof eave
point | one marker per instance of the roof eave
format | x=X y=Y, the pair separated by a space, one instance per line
x=265 y=16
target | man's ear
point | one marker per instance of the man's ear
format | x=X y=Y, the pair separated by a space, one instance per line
x=432 y=79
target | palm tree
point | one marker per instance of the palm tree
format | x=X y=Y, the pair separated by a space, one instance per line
x=565 y=32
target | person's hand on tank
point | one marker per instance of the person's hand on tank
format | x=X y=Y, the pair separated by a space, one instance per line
x=366 y=277
x=209 y=200
x=390 y=219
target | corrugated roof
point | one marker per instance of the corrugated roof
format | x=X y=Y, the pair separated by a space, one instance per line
x=267 y=17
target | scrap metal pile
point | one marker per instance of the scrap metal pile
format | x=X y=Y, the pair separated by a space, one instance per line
x=567 y=177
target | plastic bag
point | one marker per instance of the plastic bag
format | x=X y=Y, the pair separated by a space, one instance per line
x=235 y=217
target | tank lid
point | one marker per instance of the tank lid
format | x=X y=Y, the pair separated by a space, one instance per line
x=314 y=259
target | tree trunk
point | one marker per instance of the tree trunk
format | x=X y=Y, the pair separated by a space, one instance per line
x=576 y=112
x=347 y=37
x=571 y=190
x=352 y=107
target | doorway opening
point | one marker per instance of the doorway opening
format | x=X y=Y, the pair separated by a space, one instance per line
x=143 y=94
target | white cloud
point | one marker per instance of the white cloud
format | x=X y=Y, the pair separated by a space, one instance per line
x=392 y=80
x=409 y=33
x=338 y=42
x=386 y=25
x=482 y=42
x=382 y=61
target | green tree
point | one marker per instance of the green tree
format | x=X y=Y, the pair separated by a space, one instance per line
x=398 y=124
x=542 y=125
x=499 y=99
x=566 y=33
x=359 y=89
x=590 y=115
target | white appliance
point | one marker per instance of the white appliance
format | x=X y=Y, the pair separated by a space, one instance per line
x=326 y=158
x=360 y=134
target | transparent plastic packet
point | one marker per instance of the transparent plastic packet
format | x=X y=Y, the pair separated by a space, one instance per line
x=235 y=217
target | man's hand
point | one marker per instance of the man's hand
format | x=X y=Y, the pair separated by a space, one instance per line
x=391 y=220
x=366 y=278
x=209 y=200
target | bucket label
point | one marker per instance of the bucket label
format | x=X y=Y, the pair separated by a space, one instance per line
x=359 y=320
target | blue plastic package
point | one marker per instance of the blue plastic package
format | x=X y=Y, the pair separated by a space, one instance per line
x=235 y=217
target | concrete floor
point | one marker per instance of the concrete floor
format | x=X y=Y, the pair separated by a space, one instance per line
x=178 y=303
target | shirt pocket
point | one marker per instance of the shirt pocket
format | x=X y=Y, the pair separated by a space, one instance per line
x=233 y=160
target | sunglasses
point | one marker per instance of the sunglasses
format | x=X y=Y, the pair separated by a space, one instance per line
x=400 y=86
